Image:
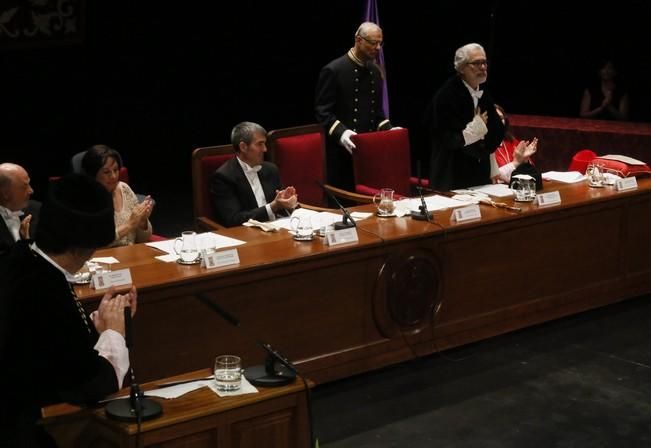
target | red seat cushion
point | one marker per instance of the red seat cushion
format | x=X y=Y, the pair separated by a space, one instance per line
x=301 y=164
x=622 y=169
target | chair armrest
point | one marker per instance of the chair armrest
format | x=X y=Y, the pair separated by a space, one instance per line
x=349 y=195
x=204 y=224
x=316 y=208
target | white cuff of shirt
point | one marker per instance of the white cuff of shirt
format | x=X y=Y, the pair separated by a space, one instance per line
x=506 y=170
x=495 y=169
x=111 y=345
x=270 y=214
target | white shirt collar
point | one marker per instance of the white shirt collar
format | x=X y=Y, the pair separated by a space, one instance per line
x=7 y=214
x=69 y=277
x=248 y=169
x=474 y=93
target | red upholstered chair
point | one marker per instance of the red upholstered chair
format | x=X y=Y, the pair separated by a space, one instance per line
x=581 y=159
x=299 y=152
x=204 y=163
x=383 y=160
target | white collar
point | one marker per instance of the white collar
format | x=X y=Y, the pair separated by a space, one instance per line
x=69 y=277
x=248 y=169
x=8 y=214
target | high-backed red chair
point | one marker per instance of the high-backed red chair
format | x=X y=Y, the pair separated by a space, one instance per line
x=383 y=159
x=581 y=159
x=300 y=154
x=205 y=162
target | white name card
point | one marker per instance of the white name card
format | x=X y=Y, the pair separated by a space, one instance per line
x=627 y=183
x=342 y=236
x=112 y=278
x=466 y=213
x=220 y=258
x=547 y=199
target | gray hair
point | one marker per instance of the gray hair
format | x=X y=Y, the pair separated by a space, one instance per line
x=461 y=56
x=244 y=132
x=365 y=28
x=7 y=174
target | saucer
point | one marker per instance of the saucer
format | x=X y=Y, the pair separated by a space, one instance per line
x=197 y=261
x=82 y=278
x=304 y=238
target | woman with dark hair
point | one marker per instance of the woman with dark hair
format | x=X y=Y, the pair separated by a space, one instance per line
x=131 y=218
x=605 y=98
x=512 y=152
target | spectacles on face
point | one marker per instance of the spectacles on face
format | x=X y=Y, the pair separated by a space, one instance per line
x=478 y=63
x=373 y=43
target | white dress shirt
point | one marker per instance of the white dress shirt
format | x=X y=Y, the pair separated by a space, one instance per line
x=12 y=219
x=251 y=174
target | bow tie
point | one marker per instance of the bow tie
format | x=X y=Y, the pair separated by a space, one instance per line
x=5 y=212
x=476 y=93
x=252 y=169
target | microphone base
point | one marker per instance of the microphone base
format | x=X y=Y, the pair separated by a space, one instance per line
x=258 y=376
x=121 y=410
x=420 y=216
x=342 y=225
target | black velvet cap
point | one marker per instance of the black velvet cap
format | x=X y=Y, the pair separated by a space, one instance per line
x=78 y=213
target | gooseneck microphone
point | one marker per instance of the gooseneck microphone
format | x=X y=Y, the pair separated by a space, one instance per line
x=347 y=221
x=423 y=213
x=276 y=371
x=136 y=408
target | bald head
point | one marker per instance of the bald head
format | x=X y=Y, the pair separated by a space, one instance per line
x=15 y=189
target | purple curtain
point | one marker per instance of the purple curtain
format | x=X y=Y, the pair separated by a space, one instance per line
x=372 y=15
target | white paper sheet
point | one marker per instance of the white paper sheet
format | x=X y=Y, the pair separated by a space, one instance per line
x=436 y=202
x=625 y=159
x=568 y=177
x=207 y=240
x=496 y=190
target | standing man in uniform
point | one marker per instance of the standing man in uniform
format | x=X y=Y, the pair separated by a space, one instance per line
x=349 y=100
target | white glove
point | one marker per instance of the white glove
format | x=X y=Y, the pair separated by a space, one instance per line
x=346 y=142
x=475 y=130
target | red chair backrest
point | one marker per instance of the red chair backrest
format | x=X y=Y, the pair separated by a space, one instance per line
x=299 y=153
x=382 y=160
x=581 y=159
x=205 y=162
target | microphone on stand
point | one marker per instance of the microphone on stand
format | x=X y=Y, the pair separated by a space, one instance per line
x=347 y=221
x=136 y=408
x=271 y=374
x=423 y=214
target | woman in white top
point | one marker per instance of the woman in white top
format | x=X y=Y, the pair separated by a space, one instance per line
x=131 y=218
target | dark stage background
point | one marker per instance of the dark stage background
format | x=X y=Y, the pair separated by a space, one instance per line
x=155 y=80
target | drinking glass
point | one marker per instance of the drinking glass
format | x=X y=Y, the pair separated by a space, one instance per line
x=228 y=372
x=384 y=202
x=186 y=247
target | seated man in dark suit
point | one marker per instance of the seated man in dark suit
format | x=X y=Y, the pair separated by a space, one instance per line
x=246 y=187
x=18 y=212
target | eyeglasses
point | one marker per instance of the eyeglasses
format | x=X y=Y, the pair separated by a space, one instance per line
x=478 y=63
x=373 y=43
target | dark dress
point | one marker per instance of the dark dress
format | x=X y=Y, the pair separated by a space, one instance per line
x=454 y=165
x=233 y=199
x=348 y=96
x=46 y=348
x=597 y=97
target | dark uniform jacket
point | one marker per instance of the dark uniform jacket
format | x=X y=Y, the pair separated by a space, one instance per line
x=46 y=348
x=454 y=165
x=233 y=198
x=348 y=96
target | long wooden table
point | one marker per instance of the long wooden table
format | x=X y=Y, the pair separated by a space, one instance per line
x=407 y=288
x=273 y=417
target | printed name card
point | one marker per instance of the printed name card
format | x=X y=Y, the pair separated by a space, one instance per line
x=466 y=213
x=342 y=236
x=112 y=278
x=220 y=258
x=547 y=199
x=627 y=183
